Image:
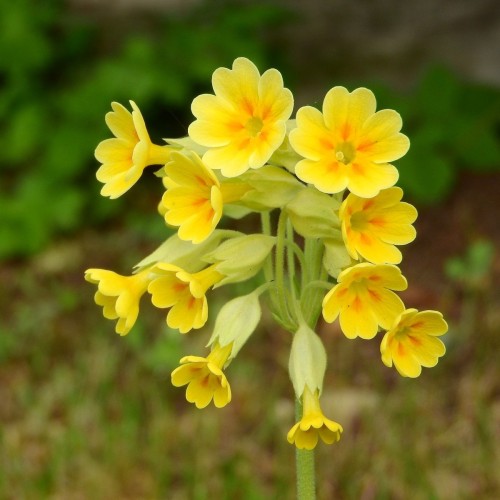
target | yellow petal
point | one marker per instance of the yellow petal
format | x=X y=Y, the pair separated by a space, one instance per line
x=120 y=123
x=366 y=179
x=311 y=138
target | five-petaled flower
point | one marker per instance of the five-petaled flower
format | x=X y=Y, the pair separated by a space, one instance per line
x=184 y=293
x=119 y=295
x=371 y=227
x=205 y=378
x=125 y=156
x=348 y=145
x=411 y=342
x=313 y=424
x=195 y=197
x=244 y=123
x=364 y=300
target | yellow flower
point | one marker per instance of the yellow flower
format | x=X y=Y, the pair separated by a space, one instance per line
x=245 y=121
x=371 y=227
x=119 y=295
x=364 y=300
x=411 y=342
x=125 y=156
x=184 y=293
x=349 y=145
x=313 y=424
x=204 y=378
x=194 y=198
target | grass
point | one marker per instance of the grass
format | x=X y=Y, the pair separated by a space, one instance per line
x=87 y=414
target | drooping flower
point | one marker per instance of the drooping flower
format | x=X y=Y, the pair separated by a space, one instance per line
x=348 y=145
x=245 y=121
x=194 y=197
x=119 y=295
x=371 y=227
x=313 y=424
x=364 y=300
x=125 y=156
x=205 y=378
x=411 y=342
x=184 y=293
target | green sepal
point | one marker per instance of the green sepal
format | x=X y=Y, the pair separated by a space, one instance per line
x=335 y=257
x=185 y=254
x=236 y=321
x=187 y=143
x=240 y=258
x=285 y=155
x=273 y=187
x=315 y=214
x=307 y=364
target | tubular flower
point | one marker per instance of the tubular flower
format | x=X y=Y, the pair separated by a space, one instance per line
x=313 y=424
x=184 y=293
x=411 y=342
x=194 y=198
x=348 y=145
x=371 y=227
x=245 y=121
x=364 y=300
x=204 y=378
x=119 y=295
x=125 y=156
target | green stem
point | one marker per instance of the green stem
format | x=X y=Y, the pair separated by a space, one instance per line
x=304 y=459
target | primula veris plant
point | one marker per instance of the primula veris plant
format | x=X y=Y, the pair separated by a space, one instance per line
x=331 y=224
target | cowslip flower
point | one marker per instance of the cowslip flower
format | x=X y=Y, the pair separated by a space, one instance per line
x=204 y=377
x=183 y=293
x=245 y=121
x=194 y=198
x=364 y=300
x=371 y=227
x=411 y=342
x=348 y=145
x=119 y=295
x=313 y=424
x=125 y=156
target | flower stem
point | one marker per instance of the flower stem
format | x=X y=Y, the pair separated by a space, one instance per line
x=304 y=460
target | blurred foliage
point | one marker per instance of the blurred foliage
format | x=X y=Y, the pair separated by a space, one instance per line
x=453 y=125
x=59 y=73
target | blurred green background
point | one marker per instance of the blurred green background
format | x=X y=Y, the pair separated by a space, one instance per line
x=86 y=414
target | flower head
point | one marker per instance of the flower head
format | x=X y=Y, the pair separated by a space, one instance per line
x=184 y=293
x=371 y=227
x=313 y=424
x=348 y=145
x=125 y=156
x=411 y=342
x=364 y=300
x=204 y=377
x=245 y=121
x=119 y=295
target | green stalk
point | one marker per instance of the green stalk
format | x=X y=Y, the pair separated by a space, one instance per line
x=304 y=460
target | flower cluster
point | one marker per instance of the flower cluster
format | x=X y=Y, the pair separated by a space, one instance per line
x=325 y=176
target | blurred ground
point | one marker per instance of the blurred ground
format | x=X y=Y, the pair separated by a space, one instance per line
x=87 y=414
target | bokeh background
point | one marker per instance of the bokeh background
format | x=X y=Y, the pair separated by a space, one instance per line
x=87 y=414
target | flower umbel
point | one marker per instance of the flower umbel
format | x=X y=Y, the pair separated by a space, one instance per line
x=119 y=295
x=364 y=300
x=348 y=145
x=125 y=156
x=411 y=342
x=204 y=377
x=371 y=227
x=245 y=121
x=184 y=293
x=313 y=424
